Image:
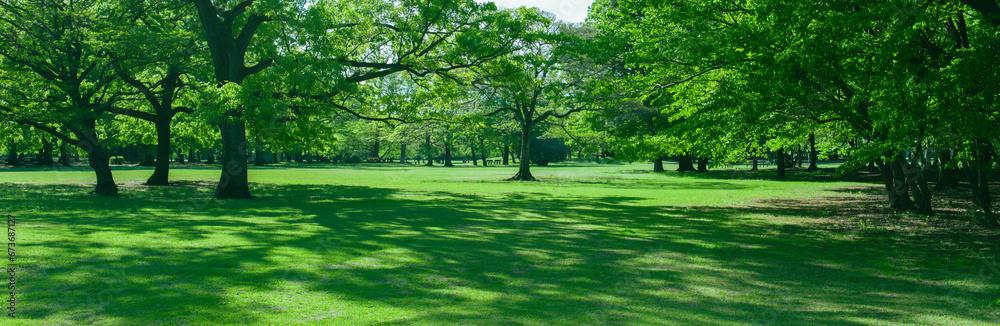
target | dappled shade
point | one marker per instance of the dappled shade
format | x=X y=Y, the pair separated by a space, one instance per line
x=364 y=255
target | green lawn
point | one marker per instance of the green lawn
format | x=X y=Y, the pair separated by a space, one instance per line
x=390 y=245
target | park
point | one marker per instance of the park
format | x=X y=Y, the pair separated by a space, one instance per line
x=465 y=162
x=410 y=245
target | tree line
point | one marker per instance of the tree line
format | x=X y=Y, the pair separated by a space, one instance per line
x=906 y=86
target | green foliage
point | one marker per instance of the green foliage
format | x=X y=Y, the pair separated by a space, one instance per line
x=580 y=136
x=353 y=158
x=548 y=150
x=724 y=80
x=732 y=79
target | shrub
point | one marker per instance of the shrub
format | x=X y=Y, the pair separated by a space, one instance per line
x=353 y=158
x=547 y=150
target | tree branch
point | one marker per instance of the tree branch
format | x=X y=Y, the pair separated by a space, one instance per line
x=689 y=78
x=135 y=114
x=248 y=31
x=229 y=15
x=500 y=110
x=363 y=117
x=818 y=121
x=49 y=130
x=146 y=92
x=988 y=8
x=259 y=67
x=553 y=114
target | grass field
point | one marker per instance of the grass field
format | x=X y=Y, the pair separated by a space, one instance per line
x=391 y=245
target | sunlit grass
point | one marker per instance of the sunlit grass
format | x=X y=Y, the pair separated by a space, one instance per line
x=404 y=245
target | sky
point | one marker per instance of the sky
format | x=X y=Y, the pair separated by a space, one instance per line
x=574 y=11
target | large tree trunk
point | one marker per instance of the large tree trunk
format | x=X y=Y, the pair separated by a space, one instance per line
x=896 y=187
x=702 y=164
x=99 y=160
x=161 y=173
x=813 y=154
x=685 y=163
x=193 y=156
x=228 y=49
x=474 y=157
x=402 y=153
x=888 y=180
x=918 y=184
x=658 y=164
x=233 y=183
x=754 y=168
x=782 y=163
x=524 y=169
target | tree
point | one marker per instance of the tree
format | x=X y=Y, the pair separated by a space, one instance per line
x=332 y=51
x=56 y=75
x=544 y=79
x=751 y=70
x=155 y=74
x=669 y=66
x=229 y=46
x=163 y=112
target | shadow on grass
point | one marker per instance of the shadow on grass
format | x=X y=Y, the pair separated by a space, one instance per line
x=156 y=255
x=612 y=182
x=792 y=174
x=211 y=167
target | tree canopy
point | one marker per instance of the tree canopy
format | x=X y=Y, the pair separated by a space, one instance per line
x=907 y=86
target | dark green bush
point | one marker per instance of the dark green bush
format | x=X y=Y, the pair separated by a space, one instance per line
x=547 y=150
x=353 y=158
